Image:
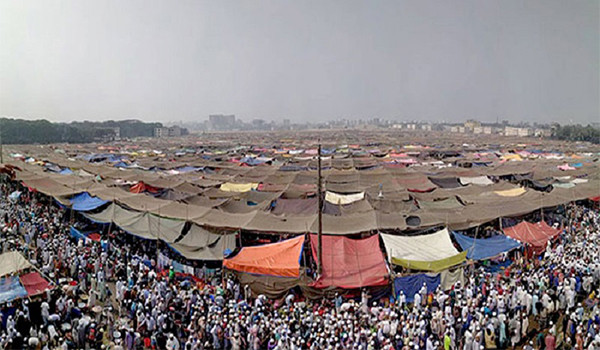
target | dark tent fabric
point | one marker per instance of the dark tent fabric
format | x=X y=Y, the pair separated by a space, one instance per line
x=537 y=185
x=446 y=182
x=84 y=202
x=520 y=177
x=411 y=285
x=536 y=235
x=306 y=206
x=34 y=283
x=350 y=263
x=174 y=195
x=450 y=203
x=485 y=248
x=271 y=286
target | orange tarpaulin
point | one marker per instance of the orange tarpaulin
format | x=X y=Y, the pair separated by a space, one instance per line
x=276 y=259
x=536 y=235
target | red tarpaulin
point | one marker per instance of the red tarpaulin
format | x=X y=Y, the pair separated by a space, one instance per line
x=595 y=199
x=350 y=263
x=34 y=283
x=94 y=237
x=141 y=187
x=275 y=259
x=536 y=235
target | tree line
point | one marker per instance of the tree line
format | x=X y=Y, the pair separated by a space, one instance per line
x=576 y=133
x=41 y=131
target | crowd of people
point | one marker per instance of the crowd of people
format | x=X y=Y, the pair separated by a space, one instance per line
x=104 y=297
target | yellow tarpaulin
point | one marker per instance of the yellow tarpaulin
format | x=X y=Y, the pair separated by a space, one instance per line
x=511 y=193
x=512 y=156
x=233 y=187
x=433 y=266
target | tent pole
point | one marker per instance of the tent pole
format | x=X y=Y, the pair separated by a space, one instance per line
x=320 y=212
x=157 y=237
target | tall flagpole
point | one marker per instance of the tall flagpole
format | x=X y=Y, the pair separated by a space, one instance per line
x=320 y=217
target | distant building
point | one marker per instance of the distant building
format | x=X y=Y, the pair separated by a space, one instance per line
x=172 y=131
x=221 y=121
x=542 y=132
x=515 y=131
x=258 y=124
x=487 y=130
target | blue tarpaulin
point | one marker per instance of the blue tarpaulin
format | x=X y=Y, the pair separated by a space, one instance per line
x=292 y=168
x=187 y=169
x=252 y=161
x=410 y=285
x=66 y=171
x=11 y=289
x=78 y=234
x=84 y=202
x=485 y=248
x=121 y=165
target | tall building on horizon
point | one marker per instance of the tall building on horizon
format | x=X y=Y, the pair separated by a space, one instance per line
x=221 y=121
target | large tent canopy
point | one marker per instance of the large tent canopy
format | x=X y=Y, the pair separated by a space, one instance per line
x=226 y=197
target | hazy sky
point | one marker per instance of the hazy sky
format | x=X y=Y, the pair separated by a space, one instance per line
x=303 y=60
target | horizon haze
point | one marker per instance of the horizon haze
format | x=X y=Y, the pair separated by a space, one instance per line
x=536 y=61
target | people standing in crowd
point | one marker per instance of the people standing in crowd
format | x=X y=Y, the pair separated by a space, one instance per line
x=107 y=298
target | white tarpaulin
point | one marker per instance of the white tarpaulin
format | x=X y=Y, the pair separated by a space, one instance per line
x=477 y=180
x=337 y=198
x=12 y=262
x=449 y=277
x=430 y=247
x=579 y=181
